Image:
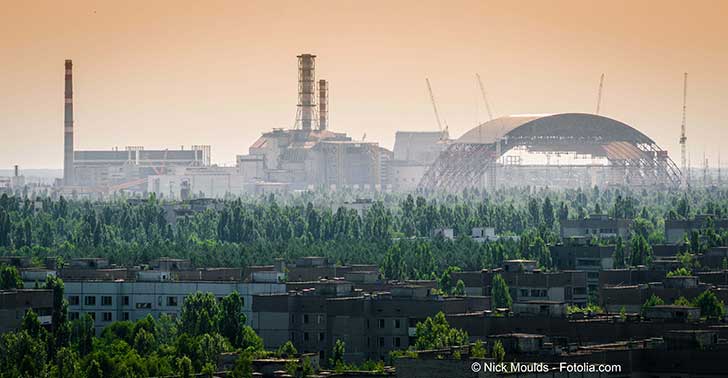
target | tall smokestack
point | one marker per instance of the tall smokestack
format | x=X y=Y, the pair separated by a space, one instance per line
x=323 y=104
x=306 y=91
x=68 y=176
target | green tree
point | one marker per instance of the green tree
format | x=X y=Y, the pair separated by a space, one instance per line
x=250 y=340
x=83 y=334
x=436 y=333
x=710 y=306
x=10 y=278
x=287 y=349
x=499 y=353
x=66 y=364
x=94 y=370
x=144 y=342
x=200 y=314
x=31 y=324
x=682 y=301
x=619 y=253
x=679 y=272
x=208 y=371
x=184 y=367
x=243 y=366
x=337 y=354
x=478 y=350
x=59 y=318
x=548 y=213
x=499 y=293
x=446 y=283
x=641 y=252
x=232 y=320
x=459 y=288
x=652 y=301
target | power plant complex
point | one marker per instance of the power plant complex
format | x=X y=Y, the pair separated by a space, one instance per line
x=559 y=150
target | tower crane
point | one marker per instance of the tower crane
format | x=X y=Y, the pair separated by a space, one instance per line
x=683 y=137
x=485 y=98
x=434 y=106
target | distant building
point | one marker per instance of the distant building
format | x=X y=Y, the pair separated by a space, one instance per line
x=631 y=298
x=370 y=325
x=589 y=258
x=111 y=294
x=675 y=230
x=597 y=225
x=128 y=169
x=15 y=303
x=527 y=284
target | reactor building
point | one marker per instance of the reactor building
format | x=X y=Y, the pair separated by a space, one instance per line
x=310 y=156
x=559 y=150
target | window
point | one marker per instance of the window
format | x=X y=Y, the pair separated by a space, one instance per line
x=143 y=305
x=89 y=301
x=73 y=315
x=397 y=323
x=381 y=341
x=107 y=316
x=319 y=319
x=92 y=315
x=172 y=301
x=381 y=323
x=397 y=342
x=74 y=300
x=106 y=300
x=305 y=336
x=524 y=292
x=125 y=300
x=367 y=323
x=125 y=315
x=322 y=336
x=305 y=318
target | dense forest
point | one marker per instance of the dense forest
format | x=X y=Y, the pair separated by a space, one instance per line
x=393 y=233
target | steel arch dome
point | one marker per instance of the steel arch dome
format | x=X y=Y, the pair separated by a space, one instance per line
x=574 y=125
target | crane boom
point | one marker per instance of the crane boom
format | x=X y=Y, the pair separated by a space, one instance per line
x=599 y=94
x=683 y=136
x=485 y=98
x=434 y=104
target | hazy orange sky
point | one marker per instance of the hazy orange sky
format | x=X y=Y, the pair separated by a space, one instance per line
x=169 y=73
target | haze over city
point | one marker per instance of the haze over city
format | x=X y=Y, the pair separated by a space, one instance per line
x=166 y=74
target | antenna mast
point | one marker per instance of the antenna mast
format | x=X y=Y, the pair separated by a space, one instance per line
x=683 y=137
x=599 y=94
x=485 y=98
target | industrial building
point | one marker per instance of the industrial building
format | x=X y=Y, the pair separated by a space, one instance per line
x=311 y=156
x=113 y=170
x=559 y=150
x=414 y=152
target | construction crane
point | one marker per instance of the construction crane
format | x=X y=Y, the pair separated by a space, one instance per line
x=434 y=105
x=485 y=98
x=599 y=94
x=683 y=137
